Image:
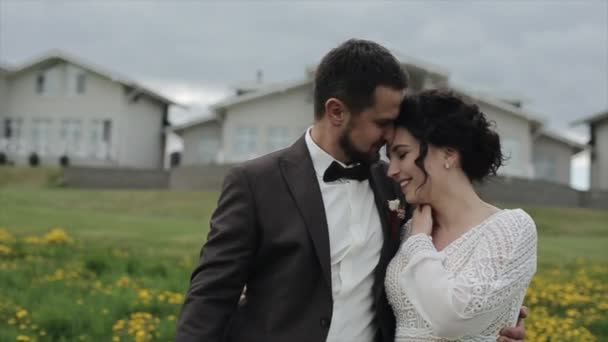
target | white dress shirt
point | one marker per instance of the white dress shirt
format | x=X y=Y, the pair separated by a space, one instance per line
x=355 y=242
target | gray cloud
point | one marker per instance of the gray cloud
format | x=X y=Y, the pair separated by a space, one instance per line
x=554 y=53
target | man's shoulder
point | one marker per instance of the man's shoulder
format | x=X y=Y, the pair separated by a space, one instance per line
x=263 y=165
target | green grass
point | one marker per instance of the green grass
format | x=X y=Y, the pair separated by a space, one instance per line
x=29 y=177
x=176 y=223
x=565 y=234
x=153 y=238
x=154 y=221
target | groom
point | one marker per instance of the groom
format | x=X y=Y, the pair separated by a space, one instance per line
x=308 y=229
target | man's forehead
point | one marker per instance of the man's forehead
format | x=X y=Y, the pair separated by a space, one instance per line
x=389 y=94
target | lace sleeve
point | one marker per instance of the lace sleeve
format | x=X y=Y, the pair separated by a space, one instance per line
x=460 y=304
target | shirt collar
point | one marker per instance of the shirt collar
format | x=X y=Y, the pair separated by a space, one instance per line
x=320 y=159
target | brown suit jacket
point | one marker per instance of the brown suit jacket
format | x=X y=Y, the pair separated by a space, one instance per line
x=269 y=231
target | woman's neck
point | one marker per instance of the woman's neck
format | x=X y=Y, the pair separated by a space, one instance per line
x=459 y=208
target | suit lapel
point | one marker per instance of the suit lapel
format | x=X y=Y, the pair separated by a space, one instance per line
x=382 y=193
x=380 y=198
x=299 y=174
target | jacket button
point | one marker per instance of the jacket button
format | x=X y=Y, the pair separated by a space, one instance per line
x=324 y=322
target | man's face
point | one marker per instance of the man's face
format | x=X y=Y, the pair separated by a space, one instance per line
x=366 y=133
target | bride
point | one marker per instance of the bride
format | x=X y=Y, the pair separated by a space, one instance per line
x=464 y=266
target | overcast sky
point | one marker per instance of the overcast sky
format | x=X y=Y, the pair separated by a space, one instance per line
x=554 y=54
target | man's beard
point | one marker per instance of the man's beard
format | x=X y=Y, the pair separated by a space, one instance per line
x=356 y=156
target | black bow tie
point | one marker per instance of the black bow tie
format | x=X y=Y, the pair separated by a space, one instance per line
x=336 y=171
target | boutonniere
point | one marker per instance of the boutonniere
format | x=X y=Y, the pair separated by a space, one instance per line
x=396 y=217
x=397 y=207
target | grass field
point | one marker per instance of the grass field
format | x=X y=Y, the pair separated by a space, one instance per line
x=119 y=264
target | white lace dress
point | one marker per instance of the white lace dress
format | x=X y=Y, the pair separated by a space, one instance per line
x=468 y=291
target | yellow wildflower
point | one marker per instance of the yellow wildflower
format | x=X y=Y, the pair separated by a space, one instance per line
x=21 y=313
x=6 y=236
x=57 y=236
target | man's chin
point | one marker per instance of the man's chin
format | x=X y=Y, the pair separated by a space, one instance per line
x=374 y=158
x=370 y=157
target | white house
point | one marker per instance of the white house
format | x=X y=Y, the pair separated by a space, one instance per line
x=598 y=143
x=3 y=90
x=57 y=105
x=258 y=120
x=552 y=156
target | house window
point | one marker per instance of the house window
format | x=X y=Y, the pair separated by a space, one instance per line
x=511 y=149
x=245 y=140
x=70 y=135
x=278 y=138
x=101 y=135
x=95 y=138
x=12 y=133
x=40 y=83
x=208 y=149
x=8 y=128
x=41 y=134
x=107 y=131
x=80 y=83
x=546 y=167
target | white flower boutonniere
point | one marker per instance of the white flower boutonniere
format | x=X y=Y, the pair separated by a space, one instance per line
x=396 y=207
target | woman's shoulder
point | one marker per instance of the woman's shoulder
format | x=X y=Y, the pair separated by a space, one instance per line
x=515 y=223
x=519 y=216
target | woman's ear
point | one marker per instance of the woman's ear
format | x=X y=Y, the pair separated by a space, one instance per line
x=452 y=157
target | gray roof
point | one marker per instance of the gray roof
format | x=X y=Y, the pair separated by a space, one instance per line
x=262 y=92
x=178 y=129
x=575 y=146
x=272 y=89
x=56 y=55
x=592 y=119
x=498 y=103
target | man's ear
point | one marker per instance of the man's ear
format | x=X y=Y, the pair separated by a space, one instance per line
x=336 y=111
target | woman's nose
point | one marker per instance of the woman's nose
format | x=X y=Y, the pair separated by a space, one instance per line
x=393 y=170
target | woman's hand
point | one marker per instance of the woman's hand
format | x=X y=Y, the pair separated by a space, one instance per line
x=422 y=220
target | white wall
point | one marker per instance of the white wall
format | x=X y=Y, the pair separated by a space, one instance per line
x=140 y=135
x=599 y=164
x=551 y=160
x=136 y=139
x=100 y=101
x=3 y=108
x=291 y=111
x=515 y=138
x=202 y=144
x=3 y=95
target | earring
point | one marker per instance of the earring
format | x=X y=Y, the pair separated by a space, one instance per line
x=447 y=166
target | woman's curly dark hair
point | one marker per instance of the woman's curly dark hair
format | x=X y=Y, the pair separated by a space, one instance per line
x=440 y=118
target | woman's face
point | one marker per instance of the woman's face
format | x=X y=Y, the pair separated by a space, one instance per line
x=403 y=152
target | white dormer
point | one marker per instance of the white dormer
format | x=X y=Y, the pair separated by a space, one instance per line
x=76 y=80
x=49 y=81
